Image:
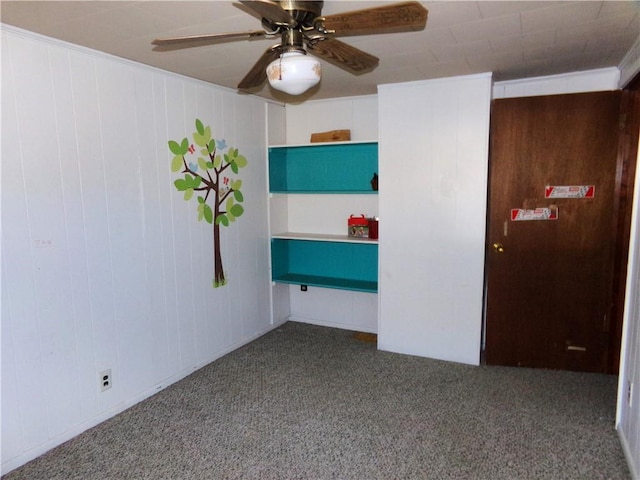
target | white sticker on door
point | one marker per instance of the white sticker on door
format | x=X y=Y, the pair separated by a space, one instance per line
x=523 y=214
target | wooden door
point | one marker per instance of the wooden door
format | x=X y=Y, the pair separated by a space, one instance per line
x=549 y=281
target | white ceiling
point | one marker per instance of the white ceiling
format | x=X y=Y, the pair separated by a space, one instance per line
x=513 y=39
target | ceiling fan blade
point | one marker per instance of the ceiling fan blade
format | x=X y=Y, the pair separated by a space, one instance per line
x=272 y=11
x=175 y=43
x=343 y=55
x=258 y=73
x=398 y=17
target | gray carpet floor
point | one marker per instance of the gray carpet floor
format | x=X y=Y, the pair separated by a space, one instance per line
x=307 y=402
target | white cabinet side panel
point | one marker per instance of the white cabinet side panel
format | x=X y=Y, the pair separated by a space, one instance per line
x=433 y=181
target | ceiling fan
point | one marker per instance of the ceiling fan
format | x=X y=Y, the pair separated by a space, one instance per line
x=302 y=28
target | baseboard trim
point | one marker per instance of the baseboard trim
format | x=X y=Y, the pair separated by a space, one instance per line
x=635 y=474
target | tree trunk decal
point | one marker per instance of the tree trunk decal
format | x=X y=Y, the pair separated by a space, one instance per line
x=203 y=173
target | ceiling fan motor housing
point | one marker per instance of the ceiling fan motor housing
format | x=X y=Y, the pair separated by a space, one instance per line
x=304 y=12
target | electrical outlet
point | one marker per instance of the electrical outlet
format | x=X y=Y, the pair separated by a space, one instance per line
x=105 y=379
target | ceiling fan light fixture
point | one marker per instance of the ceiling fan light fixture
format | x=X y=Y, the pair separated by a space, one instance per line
x=294 y=72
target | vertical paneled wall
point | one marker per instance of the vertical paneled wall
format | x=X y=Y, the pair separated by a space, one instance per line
x=433 y=186
x=104 y=264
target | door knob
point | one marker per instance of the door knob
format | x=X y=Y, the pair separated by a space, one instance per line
x=498 y=247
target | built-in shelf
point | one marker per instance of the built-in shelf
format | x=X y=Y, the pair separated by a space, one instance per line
x=321 y=259
x=324 y=263
x=323 y=168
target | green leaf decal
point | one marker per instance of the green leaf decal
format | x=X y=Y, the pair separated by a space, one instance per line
x=175 y=148
x=184 y=146
x=217 y=161
x=199 y=126
x=188 y=193
x=176 y=163
x=199 y=139
x=211 y=147
x=237 y=194
x=208 y=213
x=236 y=184
x=237 y=210
x=228 y=204
x=231 y=217
x=202 y=163
x=234 y=167
x=222 y=219
x=241 y=161
x=187 y=182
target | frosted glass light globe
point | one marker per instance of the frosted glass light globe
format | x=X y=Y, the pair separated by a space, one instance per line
x=294 y=73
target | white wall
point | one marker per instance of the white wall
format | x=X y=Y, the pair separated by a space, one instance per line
x=104 y=265
x=358 y=114
x=628 y=413
x=433 y=185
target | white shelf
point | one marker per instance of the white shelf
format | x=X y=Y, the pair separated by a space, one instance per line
x=323 y=237
x=319 y=144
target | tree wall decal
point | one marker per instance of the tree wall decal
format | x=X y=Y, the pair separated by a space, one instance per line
x=206 y=175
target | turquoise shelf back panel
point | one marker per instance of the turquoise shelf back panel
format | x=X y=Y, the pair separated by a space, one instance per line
x=326 y=168
x=350 y=266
